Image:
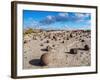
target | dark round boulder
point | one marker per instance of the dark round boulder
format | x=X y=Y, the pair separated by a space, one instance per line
x=86 y=47
x=73 y=51
x=82 y=40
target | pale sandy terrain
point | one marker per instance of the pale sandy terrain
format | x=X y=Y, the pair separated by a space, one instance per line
x=60 y=44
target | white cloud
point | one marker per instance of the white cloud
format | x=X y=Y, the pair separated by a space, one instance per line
x=63 y=14
x=80 y=20
x=81 y=15
x=67 y=27
x=88 y=22
x=50 y=17
x=87 y=15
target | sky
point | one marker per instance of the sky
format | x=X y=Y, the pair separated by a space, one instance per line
x=56 y=20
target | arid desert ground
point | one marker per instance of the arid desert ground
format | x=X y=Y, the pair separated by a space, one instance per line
x=56 y=48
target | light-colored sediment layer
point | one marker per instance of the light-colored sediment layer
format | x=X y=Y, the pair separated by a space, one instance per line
x=61 y=42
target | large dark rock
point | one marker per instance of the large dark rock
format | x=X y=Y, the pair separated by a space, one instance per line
x=86 y=47
x=73 y=51
x=82 y=40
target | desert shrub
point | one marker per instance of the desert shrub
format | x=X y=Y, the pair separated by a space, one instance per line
x=88 y=30
x=47 y=41
x=59 y=39
x=41 y=39
x=53 y=45
x=41 y=44
x=29 y=31
x=34 y=38
x=67 y=38
x=80 y=39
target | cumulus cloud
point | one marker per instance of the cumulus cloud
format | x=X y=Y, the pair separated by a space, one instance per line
x=47 y=20
x=62 y=17
x=79 y=15
x=87 y=15
x=82 y=15
x=88 y=22
x=63 y=14
x=52 y=19
x=67 y=27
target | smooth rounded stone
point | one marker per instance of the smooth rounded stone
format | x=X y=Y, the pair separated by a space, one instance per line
x=86 y=47
x=73 y=51
x=82 y=40
x=48 y=59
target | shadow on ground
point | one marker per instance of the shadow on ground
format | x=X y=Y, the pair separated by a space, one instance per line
x=74 y=50
x=35 y=62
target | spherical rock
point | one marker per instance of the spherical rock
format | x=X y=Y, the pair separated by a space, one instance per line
x=73 y=51
x=82 y=40
x=48 y=59
x=86 y=47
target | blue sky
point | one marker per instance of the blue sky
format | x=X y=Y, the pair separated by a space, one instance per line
x=56 y=20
